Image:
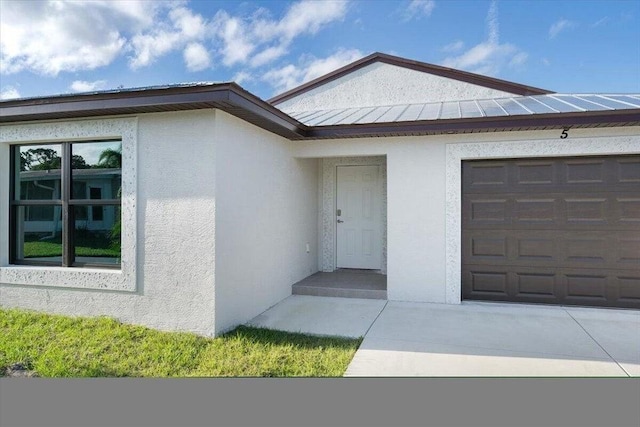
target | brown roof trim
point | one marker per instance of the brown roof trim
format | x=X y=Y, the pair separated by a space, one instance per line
x=438 y=70
x=234 y=100
x=479 y=124
x=228 y=97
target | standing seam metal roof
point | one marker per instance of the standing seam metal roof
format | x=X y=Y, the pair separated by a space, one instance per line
x=498 y=107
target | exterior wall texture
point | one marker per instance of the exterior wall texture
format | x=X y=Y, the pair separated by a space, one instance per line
x=175 y=246
x=267 y=216
x=423 y=193
x=385 y=84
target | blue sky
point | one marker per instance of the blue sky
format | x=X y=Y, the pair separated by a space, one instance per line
x=53 y=47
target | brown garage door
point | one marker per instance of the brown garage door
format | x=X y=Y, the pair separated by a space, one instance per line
x=559 y=231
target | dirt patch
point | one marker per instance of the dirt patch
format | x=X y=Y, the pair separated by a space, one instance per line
x=18 y=370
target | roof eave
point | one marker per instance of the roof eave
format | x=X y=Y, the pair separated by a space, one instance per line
x=228 y=97
x=479 y=124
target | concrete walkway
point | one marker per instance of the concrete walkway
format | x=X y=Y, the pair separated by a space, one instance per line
x=471 y=339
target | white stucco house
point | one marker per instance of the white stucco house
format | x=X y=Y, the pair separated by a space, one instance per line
x=451 y=185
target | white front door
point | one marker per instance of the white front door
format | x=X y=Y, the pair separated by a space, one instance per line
x=359 y=217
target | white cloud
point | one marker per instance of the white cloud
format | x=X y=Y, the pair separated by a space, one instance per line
x=196 y=57
x=192 y=26
x=50 y=37
x=546 y=61
x=182 y=27
x=272 y=38
x=308 y=17
x=453 y=47
x=559 y=26
x=418 y=8
x=54 y=36
x=268 y=55
x=236 y=38
x=518 y=59
x=489 y=56
x=290 y=75
x=599 y=22
x=84 y=86
x=242 y=76
x=9 y=92
x=492 y=23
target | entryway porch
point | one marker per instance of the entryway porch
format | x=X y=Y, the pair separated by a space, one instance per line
x=344 y=283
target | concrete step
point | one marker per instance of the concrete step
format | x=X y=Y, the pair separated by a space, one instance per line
x=332 y=291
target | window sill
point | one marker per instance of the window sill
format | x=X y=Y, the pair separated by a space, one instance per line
x=104 y=279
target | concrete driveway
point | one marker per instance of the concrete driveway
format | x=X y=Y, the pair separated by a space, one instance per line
x=471 y=339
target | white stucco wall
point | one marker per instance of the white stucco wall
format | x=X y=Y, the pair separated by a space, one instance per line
x=175 y=213
x=384 y=84
x=423 y=193
x=267 y=213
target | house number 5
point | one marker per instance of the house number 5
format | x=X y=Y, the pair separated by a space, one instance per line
x=564 y=134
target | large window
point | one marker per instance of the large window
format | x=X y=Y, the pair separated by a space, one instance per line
x=65 y=204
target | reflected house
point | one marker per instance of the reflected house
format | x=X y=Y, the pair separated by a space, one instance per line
x=93 y=184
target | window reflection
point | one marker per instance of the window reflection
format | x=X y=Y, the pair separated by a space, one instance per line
x=97 y=241
x=80 y=228
x=97 y=170
x=39 y=172
x=39 y=233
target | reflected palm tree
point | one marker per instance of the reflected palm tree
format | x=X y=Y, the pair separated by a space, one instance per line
x=111 y=158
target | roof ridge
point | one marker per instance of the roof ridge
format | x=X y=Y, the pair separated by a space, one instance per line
x=465 y=76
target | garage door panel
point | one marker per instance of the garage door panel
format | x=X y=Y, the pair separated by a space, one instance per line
x=585 y=249
x=628 y=251
x=628 y=289
x=536 y=285
x=588 y=174
x=582 y=284
x=564 y=286
x=488 y=176
x=532 y=173
x=522 y=284
x=487 y=211
x=584 y=171
x=564 y=231
x=489 y=281
x=535 y=248
x=607 y=211
x=491 y=246
x=628 y=210
x=540 y=211
x=618 y=250
x=628 y=171
x=586 y=210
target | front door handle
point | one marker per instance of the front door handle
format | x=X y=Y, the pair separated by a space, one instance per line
x=340 y=221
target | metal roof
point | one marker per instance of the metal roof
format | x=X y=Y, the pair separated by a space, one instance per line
x=517 y=113
x=500 y=107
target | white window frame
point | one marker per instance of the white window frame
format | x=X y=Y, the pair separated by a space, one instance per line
x=124 y=279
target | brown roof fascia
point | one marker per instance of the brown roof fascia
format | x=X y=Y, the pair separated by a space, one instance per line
x=444 y=126
x=451 y=73
x=235 y=100
x=252 y=105
x=225 y=96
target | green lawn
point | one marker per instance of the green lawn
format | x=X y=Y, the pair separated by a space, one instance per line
x=60 y=346
x=86 y=243
x=49 y=249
